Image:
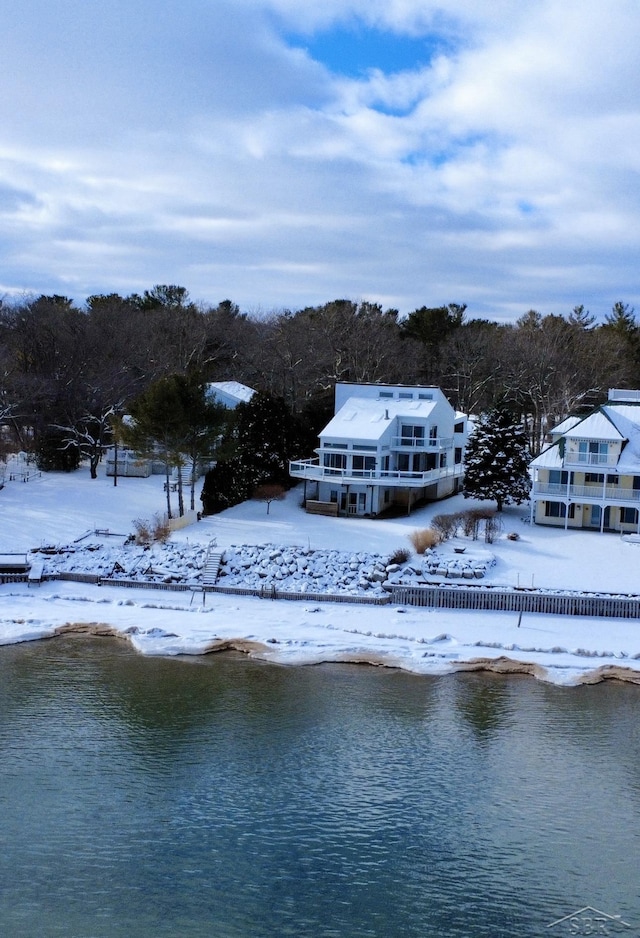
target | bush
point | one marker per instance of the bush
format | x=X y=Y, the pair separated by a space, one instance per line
x=143 y=531
x=401 y=555
x=149 y=532
x=492 y=528
x=447 y=525
x=424 y=539
x=471 y=522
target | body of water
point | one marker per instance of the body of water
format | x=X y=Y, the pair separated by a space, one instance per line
x=227 y=798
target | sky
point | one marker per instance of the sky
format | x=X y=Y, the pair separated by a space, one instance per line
x=284 y=153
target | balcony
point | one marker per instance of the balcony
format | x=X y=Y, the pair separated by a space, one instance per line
x=587 y=493
x=312 y=470
x=432 y=444
x=574 y=458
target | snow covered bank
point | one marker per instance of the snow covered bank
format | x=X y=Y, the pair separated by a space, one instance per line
x=562 y=650
x=58 y=509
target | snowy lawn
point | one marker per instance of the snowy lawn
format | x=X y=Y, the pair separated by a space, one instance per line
x=58 y=508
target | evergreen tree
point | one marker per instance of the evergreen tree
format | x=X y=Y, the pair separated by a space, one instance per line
x=173 y=419
x=496 y=463
x=256 y=451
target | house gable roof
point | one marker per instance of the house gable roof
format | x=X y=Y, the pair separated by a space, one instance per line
x=565 y=425
x=597 y=426
x=368 y=419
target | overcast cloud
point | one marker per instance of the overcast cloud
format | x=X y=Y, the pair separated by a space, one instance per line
x=238 y=149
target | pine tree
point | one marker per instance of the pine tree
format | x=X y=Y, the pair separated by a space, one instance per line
x=256 y=451
x=173 y=420
x=496 y=461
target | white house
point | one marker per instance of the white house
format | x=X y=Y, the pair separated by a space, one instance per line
x=590 y=475
x=386 y=446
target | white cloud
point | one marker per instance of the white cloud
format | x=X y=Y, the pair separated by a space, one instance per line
x=191 y=144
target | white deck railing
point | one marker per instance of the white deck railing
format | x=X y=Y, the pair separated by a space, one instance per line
x=312 y=470
x=428 y=443
x=590 y=459
x=595 y=493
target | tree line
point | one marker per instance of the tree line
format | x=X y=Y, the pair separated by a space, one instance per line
x=69 y=372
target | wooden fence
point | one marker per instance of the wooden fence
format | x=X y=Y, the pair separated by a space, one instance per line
x=14 y=577
x=518 y=600
x=489 y=598
x=264 y=593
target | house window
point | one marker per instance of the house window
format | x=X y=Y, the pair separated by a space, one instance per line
x=363 y=465
x=403 y=462
x=593 y=452
x=387 y=496
x=613 y=480
x=443 y=460
x=433 y=434
x=457 y=455
x=411 y=435
x=333 y=496
x=335 y=461
x=385 y=394
x=593 y=478
x=405 y=396
x=557 y=477
x=336 y=445
x=423 y=396
x=628 y=516
x=558 y=510
x=459 y=428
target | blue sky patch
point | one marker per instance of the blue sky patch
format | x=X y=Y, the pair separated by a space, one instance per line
x=353 y=51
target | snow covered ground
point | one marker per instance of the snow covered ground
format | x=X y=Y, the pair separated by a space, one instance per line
x=57 y=509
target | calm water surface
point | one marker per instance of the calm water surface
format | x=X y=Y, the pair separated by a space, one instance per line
x=223 y=797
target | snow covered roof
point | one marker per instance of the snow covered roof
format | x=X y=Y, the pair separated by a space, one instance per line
x=567 y=424
x=596 y=426
x=626 y=417
x=368 y=419
x=229 y=393
x=613 y=422
x=548 y=459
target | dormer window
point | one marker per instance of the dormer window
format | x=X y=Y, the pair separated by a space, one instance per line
x=593 y=452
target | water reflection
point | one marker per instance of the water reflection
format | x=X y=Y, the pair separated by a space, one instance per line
x=483 y=701
x=228 y=797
